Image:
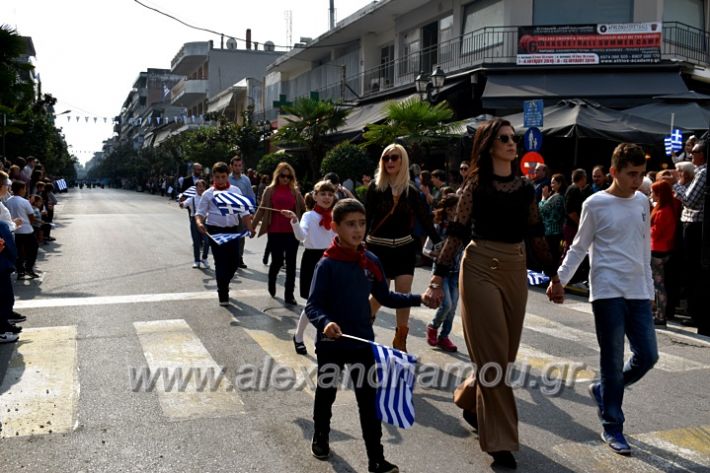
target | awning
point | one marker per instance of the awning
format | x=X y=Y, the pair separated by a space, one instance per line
x=363 y=115
x=221 y=102
x=508 y=90
x=161 y=135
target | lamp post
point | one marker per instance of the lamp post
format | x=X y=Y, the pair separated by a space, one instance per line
x=429 y=87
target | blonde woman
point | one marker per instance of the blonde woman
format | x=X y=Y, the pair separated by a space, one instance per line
x=393 y=206
x=281 y=194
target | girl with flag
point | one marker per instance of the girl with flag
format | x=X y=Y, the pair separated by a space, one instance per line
x=200 y=242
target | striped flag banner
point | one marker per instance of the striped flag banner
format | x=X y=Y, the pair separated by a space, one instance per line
x=668 y=145
x=189 y=192
x=396 y=374
x=536 y=279
x=677 y=140
x=231 y=203
x=61 y=184
x=222 y=238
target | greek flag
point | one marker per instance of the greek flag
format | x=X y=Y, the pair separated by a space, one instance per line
x=189 y=192
x=535 y=279
x=674 y=142
x=668 y=145
x=61 y=185
x=230 y=203
x=222 y=238
x=395 y=385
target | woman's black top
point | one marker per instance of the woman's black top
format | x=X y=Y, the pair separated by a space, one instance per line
x=410 y=208
x=505 y=211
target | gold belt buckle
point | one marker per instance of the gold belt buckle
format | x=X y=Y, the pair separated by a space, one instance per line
x=495 y=262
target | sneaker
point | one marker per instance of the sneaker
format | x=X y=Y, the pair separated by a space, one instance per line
x=382 y=466
x=32 y=275
x=446 y=344
x=196 y=264
x=16 y=318
x=242 y=265
x=616 y=442
x=13 y=329
x=431 y=336
x=595 y=390
x=224 y=303
x=8 y=337
x=205 y=263
x=290 y=300
x=300 y=347
x=320 y=447
x=504 y=459
x=659 y=322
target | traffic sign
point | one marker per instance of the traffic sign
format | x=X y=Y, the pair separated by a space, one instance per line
x=532 y=140
x=532 y=113
x=530 y=161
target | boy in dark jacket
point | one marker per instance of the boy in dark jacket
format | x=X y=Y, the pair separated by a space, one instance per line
x=8 y=255
x=339 y=304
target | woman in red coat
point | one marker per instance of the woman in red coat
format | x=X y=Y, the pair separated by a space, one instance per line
x=663 y=237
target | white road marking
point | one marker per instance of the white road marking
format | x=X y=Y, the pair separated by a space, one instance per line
x=41 y=386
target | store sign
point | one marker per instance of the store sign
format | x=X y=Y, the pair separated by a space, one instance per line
x=621 y=43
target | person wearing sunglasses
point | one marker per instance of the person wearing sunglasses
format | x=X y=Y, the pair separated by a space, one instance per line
x=393 y=206
x=281 y=194
x=496 y=212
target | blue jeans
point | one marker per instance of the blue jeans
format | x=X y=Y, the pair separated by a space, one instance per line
x=199 y=242
x=613 y=319
x=444 y=316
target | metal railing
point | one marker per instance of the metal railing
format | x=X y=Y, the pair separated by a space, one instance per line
x=685 y=43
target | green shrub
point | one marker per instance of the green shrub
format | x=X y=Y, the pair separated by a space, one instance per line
x=347 y=161
x=267 y=164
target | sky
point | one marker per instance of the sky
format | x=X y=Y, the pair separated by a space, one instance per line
x=90 y=52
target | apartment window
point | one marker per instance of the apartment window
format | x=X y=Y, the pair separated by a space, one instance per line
x=574 y=12
x=386 y=76
x=689 y=12
x=476 y=16
x=409 y=51
x=446 y=34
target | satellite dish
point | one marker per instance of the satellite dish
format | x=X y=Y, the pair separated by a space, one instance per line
x=231 y=43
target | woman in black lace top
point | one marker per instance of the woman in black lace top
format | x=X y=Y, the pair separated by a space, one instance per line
x=496 y=212
x=393 y=205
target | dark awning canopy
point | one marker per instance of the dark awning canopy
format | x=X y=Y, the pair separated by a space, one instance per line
x=508 y=90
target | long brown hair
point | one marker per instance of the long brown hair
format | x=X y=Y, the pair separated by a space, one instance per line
x=664 y=192
x=481 y=166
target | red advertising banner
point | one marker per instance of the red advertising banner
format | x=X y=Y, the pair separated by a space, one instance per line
x=623 y=43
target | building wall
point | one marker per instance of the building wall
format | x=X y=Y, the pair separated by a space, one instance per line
x=227 y=67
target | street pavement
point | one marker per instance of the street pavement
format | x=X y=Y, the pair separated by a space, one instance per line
x=118 y=299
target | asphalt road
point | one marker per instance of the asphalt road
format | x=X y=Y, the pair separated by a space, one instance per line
x=118 y=299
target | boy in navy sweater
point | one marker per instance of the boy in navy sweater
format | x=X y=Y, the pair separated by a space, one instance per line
x=8 y=255
x=339 y=303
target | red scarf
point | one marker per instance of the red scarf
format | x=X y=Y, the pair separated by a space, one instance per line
x=220 y=188
x=338 y=253
x=326 y=216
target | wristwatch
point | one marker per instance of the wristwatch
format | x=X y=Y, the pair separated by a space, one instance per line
x=434 y=285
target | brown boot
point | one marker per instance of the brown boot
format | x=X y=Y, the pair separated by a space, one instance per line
x=400 y=338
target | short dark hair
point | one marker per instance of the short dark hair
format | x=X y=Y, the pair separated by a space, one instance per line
x=332 y=177
x=220 y=166
x=236 y=157
x=17 y=186
x=627 y=154
x=439 y=174
x=347 y=206
x=578 y=175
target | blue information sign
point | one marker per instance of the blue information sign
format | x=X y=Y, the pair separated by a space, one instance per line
x=532 y=140
x=532 y=113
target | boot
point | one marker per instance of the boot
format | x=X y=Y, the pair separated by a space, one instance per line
x=400 y=338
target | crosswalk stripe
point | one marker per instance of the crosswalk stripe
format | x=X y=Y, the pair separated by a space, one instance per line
x=40 y=390
x=171 y=348
x=681 y=450
x=666 y=361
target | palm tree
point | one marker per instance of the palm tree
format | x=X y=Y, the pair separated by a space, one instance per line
x=14 y=91
x=416 y=121
x=312 y=120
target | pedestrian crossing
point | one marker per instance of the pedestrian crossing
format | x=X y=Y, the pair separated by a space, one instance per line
x=41 y=387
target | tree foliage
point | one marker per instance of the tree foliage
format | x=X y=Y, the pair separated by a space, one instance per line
x=347 y=161
x=312 y=121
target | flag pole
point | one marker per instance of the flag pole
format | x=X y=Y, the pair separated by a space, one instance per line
x=358 y=339
x=269 y=208
x=672 y=122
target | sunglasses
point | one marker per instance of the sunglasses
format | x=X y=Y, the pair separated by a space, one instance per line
x=463 y=168
x=390 y=157
x=285 y=176
x=506 y=138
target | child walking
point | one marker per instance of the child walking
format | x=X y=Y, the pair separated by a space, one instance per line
x=614 y=227
x=444 y=316
x=315 y=233
x=200 y=242
x=339 y=304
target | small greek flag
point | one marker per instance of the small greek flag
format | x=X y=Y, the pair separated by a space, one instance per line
x=222 y=238
x=674 y=142
x=61 y=185
x=231 y=203
x=189 y=192
x=395 y=385
x=536 y=279
x=668 y=145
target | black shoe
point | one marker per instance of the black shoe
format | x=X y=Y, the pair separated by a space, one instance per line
x=689 y=323
x=471 y=418
x=659 y=322
x=242 y=265
x=300 y=347
x=12 y=329
x=319 y=446
x=290 y=300
x=265 y=260
x=16 y=318
x=504 y=458
x=32 y=275
x=382 y=466
x=272 y=288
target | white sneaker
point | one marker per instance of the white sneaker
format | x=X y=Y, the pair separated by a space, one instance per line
x=8 y=337
x=224 y=303
x=196 y=264
x=205 y=264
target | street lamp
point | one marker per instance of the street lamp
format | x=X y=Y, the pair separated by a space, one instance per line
x=429 y=87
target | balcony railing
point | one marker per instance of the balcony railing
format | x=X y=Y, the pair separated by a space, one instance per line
x=496 y=44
